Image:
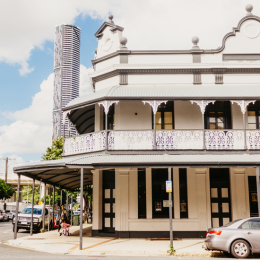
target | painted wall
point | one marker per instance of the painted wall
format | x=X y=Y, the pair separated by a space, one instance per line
x=125 y=118
x=107 y=83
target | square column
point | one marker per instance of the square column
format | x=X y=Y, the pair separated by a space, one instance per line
x=97 y=200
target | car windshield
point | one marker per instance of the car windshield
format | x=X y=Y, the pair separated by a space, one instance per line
x=232 y=222
x=35 y=211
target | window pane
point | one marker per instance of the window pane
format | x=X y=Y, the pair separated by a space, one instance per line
x=212 y=126
x=251 y=117
x=158 y=120
x=168 y=117
x=254 y=223
x=251 y=126
x=245 y=225
x=141 y=193
x=220 y=123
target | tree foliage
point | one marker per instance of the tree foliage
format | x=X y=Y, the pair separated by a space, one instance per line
x=6 y=190
x=29 y=189
x=55 y=151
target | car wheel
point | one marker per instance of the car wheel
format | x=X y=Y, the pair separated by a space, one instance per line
x=240 y=249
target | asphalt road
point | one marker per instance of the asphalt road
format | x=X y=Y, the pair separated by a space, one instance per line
x=13 y=253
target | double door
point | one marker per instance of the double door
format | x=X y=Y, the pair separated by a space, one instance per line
x=220 y=197
x=108 y=207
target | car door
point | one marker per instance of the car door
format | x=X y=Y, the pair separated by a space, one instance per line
x=251 y=230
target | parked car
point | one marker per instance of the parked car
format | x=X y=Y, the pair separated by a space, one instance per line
x=24 y=218
x=10 y=213
x=3 y=216
x=239 y=238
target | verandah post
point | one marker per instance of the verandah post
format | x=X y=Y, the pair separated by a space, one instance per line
x=31 y=229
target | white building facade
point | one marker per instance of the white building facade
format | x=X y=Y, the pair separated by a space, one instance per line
x=194 y=111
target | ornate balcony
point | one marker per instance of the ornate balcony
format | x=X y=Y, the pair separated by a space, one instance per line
x=165 y=140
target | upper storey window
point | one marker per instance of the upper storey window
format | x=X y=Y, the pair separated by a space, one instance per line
x=164 y=116
x=218 y=115
x=253 y=115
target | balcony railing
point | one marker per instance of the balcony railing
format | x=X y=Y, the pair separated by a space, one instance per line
x=165 y=140
x=85 y=143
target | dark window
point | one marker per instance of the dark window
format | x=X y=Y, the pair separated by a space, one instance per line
x=141 y=193
x=164 y=116
x=110 y=118
x=218 y=115
x=183 y=193
x=160 y=198
x=253 y=201
x=253 y=115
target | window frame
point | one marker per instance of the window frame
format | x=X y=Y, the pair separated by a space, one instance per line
x=255 y=108
x=226 y=110
x=162 y=110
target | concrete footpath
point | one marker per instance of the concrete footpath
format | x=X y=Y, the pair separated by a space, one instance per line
x=51 y=242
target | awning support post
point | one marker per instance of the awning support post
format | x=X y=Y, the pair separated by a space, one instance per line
x=53 y=202
x=43 y=210
x=154 y=131
x=106 y=131
x=17 y=206
x=244 y=125
x=203 y=127
x=258 y=189
x=71 y=210
x=60 y=198
x=67 y=202
x=31 y=229
x=81 y=207
x=170 y=208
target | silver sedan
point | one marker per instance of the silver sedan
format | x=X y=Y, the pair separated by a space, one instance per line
x=239 y=238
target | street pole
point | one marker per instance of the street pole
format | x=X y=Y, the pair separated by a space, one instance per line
x=6 y=172
x=31 y=229
x=81 y=207
x=17 y=206
x=170 y=207
x=258 y=189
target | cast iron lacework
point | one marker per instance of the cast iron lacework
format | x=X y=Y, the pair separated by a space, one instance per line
x=155 y=104
x=107 y=104
x=253 y=139
x=221 y=140
x=84 y=143
x=202 y=104
x=179 y=139
x=130 y=140
x=243 y=104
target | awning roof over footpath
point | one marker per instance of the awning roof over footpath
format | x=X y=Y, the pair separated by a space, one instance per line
x=167 y=92
x=66 y=174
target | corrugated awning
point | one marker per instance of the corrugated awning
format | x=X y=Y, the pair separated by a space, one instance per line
x=65 y=172
x=170 y=92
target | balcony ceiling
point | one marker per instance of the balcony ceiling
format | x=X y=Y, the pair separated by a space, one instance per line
x=66 y=172
x=170 y=92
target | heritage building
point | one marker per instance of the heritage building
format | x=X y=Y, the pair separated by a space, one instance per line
x=195 y=111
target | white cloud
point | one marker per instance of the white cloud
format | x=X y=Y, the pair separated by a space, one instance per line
x=31 y=131
x=85 y=87
x=151 y=24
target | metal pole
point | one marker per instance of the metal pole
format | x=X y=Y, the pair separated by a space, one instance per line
x=6 y=169
x=53 y=201
x=106 y=131
x=49 y=213
x=81 y=207
x=258 y=189
x=43 y=210
x=71 y=211
x=17 y=206
x=203 y=127
x=244 y=124
x=60 y=198
x=154 y=131
x=67 y=203
x=170 y=208
x=31 y=229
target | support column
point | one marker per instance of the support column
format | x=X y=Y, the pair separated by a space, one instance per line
x=31 y=229
x=106 y=131
x=258 y=189
x=97 y=200
x=67 y=203
x=170 y=208
x=81 y=207
x=53 y=208
x=203 y=104
x=244 y=126
x=60 y=197
x=17 y=206
x=43 y=210
x=149 y=205
x=71 y=211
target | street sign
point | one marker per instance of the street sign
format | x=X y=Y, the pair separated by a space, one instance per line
x=168 y=186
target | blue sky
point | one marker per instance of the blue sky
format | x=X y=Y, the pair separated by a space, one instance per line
x=26 y=51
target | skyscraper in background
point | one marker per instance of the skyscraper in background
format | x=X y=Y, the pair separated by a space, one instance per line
x=66 y=75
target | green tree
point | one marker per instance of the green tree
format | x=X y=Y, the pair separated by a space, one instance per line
x=48 y=197
x=55 y=151
x=29 y=189
x=6 y=190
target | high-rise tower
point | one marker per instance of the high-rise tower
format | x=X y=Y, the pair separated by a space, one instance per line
x=66 y=75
